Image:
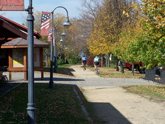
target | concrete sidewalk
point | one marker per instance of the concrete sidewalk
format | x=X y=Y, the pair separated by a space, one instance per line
x=77 y=71
x=115 y=105
x=80 y=73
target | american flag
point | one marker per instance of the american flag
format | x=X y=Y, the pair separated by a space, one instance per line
x=50 y=33
x=45 y=22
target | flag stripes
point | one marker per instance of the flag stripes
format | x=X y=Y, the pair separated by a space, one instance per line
x=45 y=22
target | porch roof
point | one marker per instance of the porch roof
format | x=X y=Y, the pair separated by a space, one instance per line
x=23 y=43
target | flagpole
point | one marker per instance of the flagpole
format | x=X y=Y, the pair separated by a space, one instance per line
x=31 y=105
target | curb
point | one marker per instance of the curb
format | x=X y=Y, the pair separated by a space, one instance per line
x=82 y=106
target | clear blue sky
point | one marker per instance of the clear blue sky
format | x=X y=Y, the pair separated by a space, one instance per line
x=45 y=5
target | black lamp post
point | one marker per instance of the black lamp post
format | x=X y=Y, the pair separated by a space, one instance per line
x=67 y=23
x=31 y=105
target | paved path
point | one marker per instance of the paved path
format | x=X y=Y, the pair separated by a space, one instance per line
x=112 y=103
x=80 y=73
x=82 y=78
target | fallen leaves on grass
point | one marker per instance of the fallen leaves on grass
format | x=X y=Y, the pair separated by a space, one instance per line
x=59 y=105
x=152 y=91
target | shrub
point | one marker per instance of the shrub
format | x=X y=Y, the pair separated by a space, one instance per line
x=60 y=61
x=74 y=60
x=90 y=61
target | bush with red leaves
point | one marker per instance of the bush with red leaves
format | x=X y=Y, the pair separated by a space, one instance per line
x=90 y=61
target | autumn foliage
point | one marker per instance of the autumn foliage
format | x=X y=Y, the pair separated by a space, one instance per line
x=132 y=31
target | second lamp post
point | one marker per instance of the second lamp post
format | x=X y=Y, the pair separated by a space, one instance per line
x=66 y=23
x=55 y=50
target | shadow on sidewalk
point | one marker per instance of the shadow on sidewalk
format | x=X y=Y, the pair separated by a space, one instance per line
x=58 y=79
x=109 y=113
x=103 y=113
x=63 y=71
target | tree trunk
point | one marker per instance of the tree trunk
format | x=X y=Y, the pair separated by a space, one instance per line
x=65 y=60
x=46 y=60
x=133 y=69
x=122 y=68
x=101 y=60
x=107 y=60
x=117 y=68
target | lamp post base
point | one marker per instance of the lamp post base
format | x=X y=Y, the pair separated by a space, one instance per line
x=31 y=113
x=51 y=84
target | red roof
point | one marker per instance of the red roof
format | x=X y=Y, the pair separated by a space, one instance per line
x=7 y=30
x=19 y=27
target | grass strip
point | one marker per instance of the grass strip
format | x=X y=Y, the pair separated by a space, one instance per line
x=110 y=72
x=154 y=92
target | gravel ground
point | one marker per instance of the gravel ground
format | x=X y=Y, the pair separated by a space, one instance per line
x=112 y=103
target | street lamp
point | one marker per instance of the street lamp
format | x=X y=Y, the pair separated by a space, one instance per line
x=55 y=54
x=67 y=23
x=55 y=51
x=31 y=105
x=62 y=39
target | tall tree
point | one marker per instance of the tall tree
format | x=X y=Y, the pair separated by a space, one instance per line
x=153 y=44
x=108 y=26
x=88 y=14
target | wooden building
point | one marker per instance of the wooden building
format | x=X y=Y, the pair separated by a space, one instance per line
x=13 y=48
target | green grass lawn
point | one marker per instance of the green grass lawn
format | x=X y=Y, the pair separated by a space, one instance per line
x=54 y=106
x=110 y=72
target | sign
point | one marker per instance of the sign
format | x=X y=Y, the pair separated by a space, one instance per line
x=11 y=5
x=18 y=58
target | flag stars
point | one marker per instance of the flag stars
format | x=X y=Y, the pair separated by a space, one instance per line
x=45 y=17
